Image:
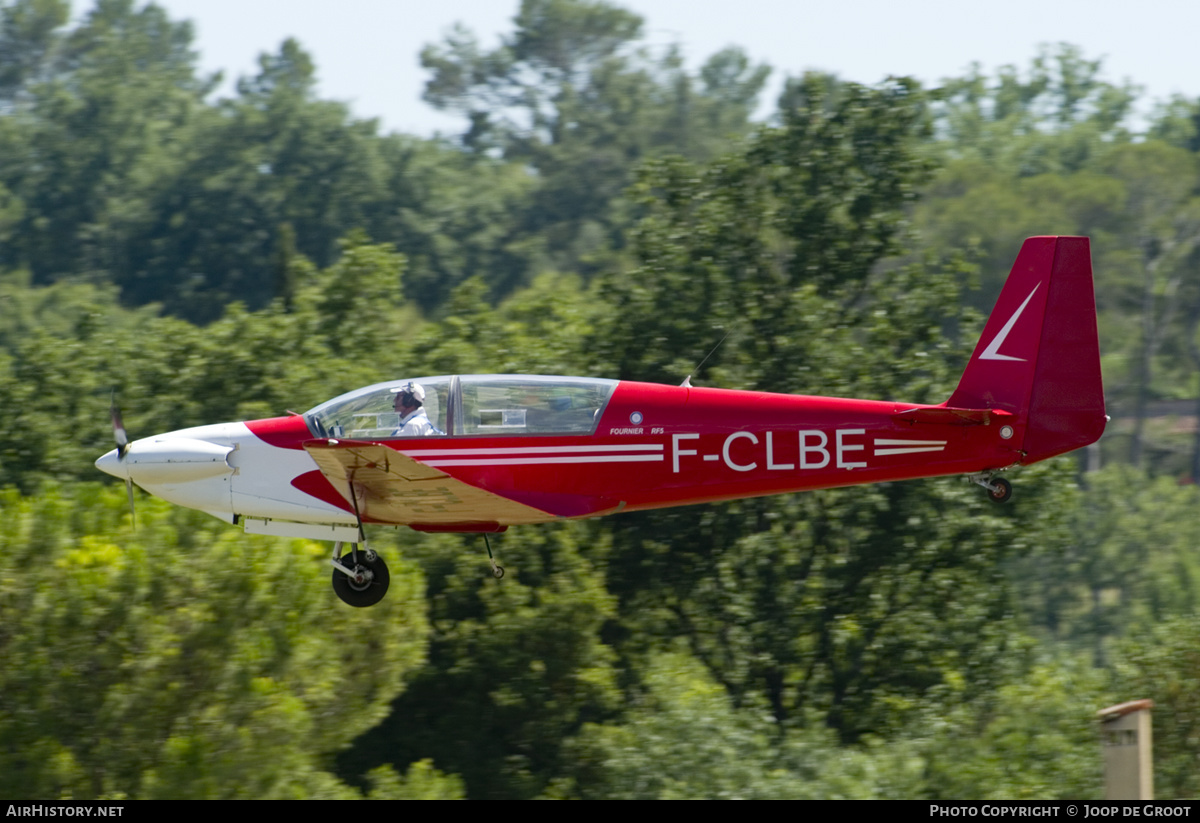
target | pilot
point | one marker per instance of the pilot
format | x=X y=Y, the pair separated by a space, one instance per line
x=409 y=405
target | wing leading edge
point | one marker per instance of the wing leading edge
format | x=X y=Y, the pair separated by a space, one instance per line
x=390 y=487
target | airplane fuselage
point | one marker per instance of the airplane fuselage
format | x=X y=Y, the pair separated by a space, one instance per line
x=653 y=446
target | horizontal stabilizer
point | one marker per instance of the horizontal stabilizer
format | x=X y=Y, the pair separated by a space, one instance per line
x=947 y=416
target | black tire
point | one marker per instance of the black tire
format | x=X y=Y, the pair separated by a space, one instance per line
x=498 y=572
x=1002 y=492
x=361 y=595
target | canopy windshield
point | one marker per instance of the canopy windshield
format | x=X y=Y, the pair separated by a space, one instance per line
x=493 y=404
x=370 y=414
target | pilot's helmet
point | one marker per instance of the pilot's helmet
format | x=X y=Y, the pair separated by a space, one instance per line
x=414 y=390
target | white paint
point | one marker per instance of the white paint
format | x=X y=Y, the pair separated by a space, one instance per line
x=677 y=452
x=819 y=448
x=992 y=352
x=843 y=447
x=738 y=467
x=771 y=464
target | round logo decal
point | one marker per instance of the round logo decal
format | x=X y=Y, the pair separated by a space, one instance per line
x=635 y=418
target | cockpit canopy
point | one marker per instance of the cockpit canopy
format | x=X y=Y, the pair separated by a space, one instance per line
x=473 y=404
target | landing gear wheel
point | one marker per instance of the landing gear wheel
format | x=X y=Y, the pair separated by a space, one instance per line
x=497 y=569
x=1002 y=490
x=369 y=584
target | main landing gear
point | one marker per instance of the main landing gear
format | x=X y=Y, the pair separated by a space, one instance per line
x=998 y=489
x=497 y=569
x=360 y=578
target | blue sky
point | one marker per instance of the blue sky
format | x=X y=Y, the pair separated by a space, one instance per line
x=366 y=51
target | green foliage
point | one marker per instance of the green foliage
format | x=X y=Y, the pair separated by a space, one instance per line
x=420 y=782
x=853 y=605
x=774 y=244
x=274 y=156
x=1177 y=123
x=26 y=38
x=570 y=94
x=96 y=126
x=455 y=215
x=1162 y=663
x=1033 y=737
x=1125 y=561
x=538 y=331
x=514 y=669
x=69 y=349
x=182 y=659
x=1055 y=119
x=682 y=738
x=846 y=643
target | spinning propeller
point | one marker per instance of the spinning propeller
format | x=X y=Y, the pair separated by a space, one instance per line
x=122 y=448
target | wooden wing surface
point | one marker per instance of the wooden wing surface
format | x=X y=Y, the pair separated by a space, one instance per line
x=390 y=487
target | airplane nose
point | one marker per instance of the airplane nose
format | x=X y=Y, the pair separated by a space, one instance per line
x=111 y=464
x=167 y=460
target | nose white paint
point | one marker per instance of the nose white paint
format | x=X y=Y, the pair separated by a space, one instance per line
x=223 y=469
x=167 y=460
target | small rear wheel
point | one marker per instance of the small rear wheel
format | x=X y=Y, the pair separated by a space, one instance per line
x=1001 y=490
x=369 y=583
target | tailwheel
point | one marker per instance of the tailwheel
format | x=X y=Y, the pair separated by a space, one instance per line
x=1000 y=491
x=360 y=578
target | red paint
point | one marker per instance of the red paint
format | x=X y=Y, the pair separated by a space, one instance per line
x=284 y=432
x=1031 y=390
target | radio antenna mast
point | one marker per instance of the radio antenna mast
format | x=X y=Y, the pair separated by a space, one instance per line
x=687 y=381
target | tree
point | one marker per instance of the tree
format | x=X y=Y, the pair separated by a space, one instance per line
x=100 y=123
x=570 y=95
x=515 y=667
x=272 y=157
x=69 y=349
x=683 y=738
x=29 y=34
x=763 y=240
x=1161 y=234
x=1034 y=736
x=849 y=605
x=182 y=659
x=455 y=215
x=1123 y=560
x=1160 y=665
x=1056 y=118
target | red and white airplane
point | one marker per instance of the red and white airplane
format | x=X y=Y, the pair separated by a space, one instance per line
x=519 y=449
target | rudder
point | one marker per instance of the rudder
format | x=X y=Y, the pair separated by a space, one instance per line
x=1039 y=355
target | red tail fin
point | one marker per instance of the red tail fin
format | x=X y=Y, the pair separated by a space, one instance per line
x=1039 y=356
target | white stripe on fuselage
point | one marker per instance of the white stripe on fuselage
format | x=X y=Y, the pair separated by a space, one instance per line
x=885 y=447
x=624 y=453
x=533 y=461
x=538 y=455
x=420 y=454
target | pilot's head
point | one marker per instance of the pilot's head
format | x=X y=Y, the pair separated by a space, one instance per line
x=409 y=396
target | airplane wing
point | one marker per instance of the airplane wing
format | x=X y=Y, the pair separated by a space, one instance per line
x=391 y=487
